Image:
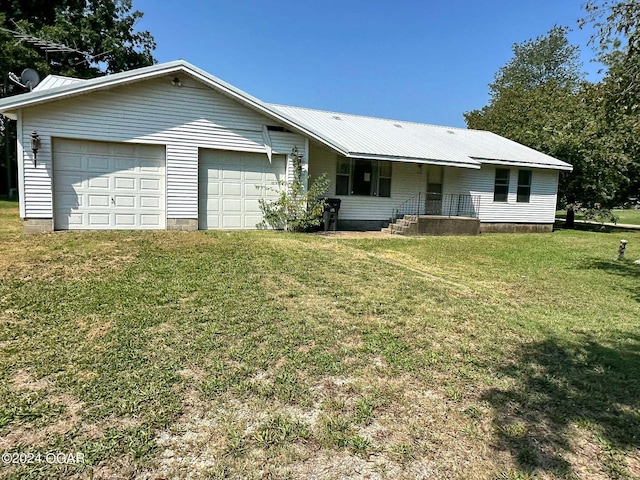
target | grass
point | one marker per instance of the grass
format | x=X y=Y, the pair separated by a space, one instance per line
x=624 y=216
x=273 y=355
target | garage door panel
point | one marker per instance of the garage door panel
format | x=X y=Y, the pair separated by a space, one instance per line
x=148 y=166
x=232 y=189
x=149 y=202
x=252 y=175
x=150 y=220
x=150 y=184
x=99 y=182
x=99 y=164
x=251 y=206
x=212 y=205
x=75 y=219
x=230 y=185
x=99 y=200
x=126 y=201
x=110 y=188
x=232 y=221
x=123 y=183
x=71 y=199
x=99 y=219
x=232 y=174
x=125 y=220
x=230 y=205
x=69 y=162
x=251 y=190
x=73 y=184
x=271 y=178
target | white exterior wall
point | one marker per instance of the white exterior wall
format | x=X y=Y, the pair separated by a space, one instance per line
x=542 y=203
x=154 y=112
x=407 y=179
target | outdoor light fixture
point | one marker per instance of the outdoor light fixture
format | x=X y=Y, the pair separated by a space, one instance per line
x=35 y=146
x=176 y=82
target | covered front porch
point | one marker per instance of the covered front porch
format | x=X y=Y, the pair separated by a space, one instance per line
x=375 y=193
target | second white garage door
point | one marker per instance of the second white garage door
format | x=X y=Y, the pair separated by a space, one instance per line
x=229 y=187
x=108 y=186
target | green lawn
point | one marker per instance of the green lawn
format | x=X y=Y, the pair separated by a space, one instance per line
x=625 y=216
x=270 y=355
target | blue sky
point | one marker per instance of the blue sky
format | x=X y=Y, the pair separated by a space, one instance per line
x=424 y=61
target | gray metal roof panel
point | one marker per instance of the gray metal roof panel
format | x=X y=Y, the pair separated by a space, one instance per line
x=362 y=135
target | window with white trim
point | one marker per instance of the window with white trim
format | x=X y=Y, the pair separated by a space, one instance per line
x=363 y=177
x=524 y=186
x=501 y=185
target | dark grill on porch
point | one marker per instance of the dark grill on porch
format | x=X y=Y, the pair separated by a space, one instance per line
x=441 y=204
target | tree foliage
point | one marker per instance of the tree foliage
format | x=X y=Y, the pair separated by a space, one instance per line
x=102 y=33
x=297 y=208
x=617 y=43
x=554 y=110
x=549 y=58
x=104 y=29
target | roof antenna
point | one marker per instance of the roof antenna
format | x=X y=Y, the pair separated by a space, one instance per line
x=29 y=78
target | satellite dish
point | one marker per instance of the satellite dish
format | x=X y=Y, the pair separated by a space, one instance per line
x=30 y=78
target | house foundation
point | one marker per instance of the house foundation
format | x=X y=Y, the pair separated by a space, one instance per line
x=516 y=227
x=183 y=224
x=38 y=225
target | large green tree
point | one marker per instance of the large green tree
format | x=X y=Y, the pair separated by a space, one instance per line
x=101 y=34
x=547 y=59
x=617 y=44
x=540 y=99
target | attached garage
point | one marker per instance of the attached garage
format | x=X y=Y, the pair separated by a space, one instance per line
x=230 y=185
x=109 y=186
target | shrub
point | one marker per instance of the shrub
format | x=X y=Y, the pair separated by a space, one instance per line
x=297 y=208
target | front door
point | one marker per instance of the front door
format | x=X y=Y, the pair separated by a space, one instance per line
x=433 y=204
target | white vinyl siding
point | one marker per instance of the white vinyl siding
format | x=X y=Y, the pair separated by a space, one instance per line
x=182 y=180
x=541 y=207
x=407 y=179
x=154 y=112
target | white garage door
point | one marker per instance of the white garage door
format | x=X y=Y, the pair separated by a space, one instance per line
x=228 y=193
x=108 y=185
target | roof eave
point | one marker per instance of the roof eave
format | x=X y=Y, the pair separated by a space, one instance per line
x=516 y=163
x=424 y=161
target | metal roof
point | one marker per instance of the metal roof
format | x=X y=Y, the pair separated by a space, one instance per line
x=350 y=135
x=370 y=137
x=54 y=81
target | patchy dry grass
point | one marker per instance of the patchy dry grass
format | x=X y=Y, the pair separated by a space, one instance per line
x=269 y=355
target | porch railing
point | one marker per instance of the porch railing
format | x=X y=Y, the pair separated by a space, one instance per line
x=443 y=204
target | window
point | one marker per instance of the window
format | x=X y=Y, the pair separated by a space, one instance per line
x=384 y=179
x=501 y=186
x=524 y=186
x=343 y=173
x=363 y=177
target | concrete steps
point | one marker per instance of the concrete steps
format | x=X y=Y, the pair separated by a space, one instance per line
x=407 y=225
